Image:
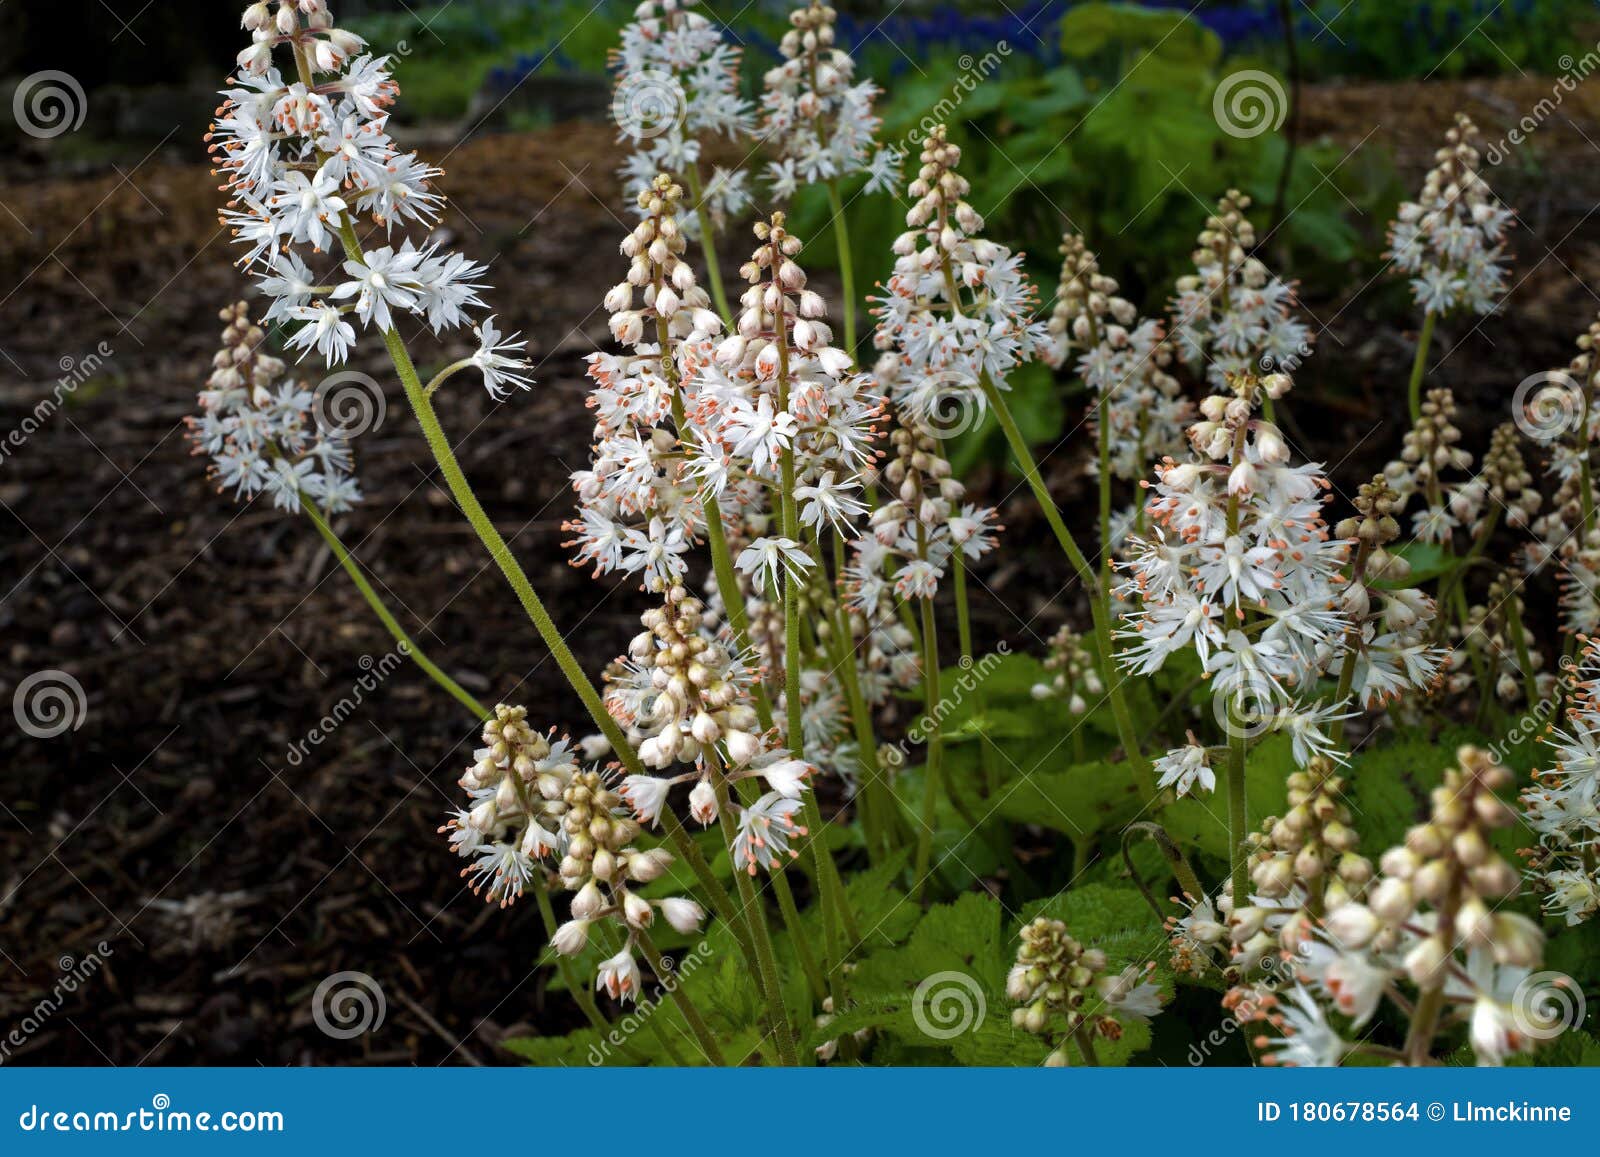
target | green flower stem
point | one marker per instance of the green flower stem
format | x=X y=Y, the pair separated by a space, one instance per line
x=717 y=540
x=766 y=963
x=461 y=490
x=674 y=986
x=873 y=784
x=1143 y=777
x=1519 y=640
x=708 y=245
x=1238 y=743
x=829 y=892
x=797 y=936
x=1419 y=367
x=1238 y=821
x=935 y=742
x=375 y=601
x=847 y=272
x=569 y=976
x=733 y=601
x=963 y=617
x=1086 y=1046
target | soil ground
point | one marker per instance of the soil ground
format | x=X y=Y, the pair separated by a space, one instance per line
x=209 y=638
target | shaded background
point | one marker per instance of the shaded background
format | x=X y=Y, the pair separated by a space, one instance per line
x=209 y=639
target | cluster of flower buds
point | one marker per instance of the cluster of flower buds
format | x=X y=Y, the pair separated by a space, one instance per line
x=1563 y=804
x=888 y=657
x=686 y=699
x=1508 y=480
x=266 y=433
x=1238 y=531
x=677 y=90
x=778 y=388
x=1232 y=315
x=1563 y=416
x=1199 y=938
x=1437 y=918
x=1451 y=239
x=1064 y=987
x=689 y=691
x=1124 y=359
x=640 y=507
x=1430 y=451
x=515 y=788
x=958 y=308
x=1393 y=622
x=303 y=160
x=599 y=865
x=1448 y=868
x=1302 y=865
x=1072 y=672
x=1492 y=628
x=821 y=123
x=925 y=522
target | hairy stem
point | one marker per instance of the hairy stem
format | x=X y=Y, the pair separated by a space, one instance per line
x=406 y=645
x=1143 y=777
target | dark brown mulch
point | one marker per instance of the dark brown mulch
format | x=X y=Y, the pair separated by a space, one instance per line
x=226 y=879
